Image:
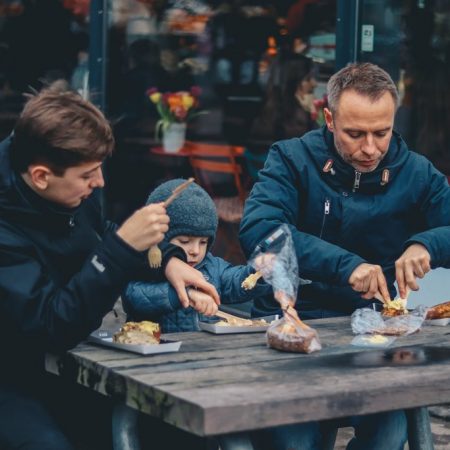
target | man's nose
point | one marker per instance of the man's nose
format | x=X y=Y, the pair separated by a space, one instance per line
x=369 y=147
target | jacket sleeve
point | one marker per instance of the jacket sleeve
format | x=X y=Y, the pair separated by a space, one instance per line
x=435 y=209
x=59 y=316
x=149 y=301
x=273 y=201
x=231 y=278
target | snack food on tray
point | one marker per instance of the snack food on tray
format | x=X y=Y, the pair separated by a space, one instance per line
x=440 y=311
x=241 y=322
x=138 y=333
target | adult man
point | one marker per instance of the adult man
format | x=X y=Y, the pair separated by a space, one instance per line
x=61 y=266
x=364 y=211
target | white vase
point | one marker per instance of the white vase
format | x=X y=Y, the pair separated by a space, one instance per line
x=174 y=136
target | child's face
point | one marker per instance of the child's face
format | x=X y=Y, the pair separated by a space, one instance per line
x=194 y=246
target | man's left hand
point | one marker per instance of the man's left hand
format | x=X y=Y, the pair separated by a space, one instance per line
x=415 y=262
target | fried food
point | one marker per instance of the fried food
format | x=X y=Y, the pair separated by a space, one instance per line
x=395 y=307
x=138 y=333
x=440 y=311
x=241 y=323
x=251 y=280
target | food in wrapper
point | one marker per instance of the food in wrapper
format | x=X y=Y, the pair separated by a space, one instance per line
x=440 y=311
x=290 y=337
x=275 y=259
x=368 y=321
x=138 y=333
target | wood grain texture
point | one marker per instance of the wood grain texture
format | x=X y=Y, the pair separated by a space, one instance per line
x=218 y=384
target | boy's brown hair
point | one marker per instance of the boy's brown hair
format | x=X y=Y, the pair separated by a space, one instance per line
x=60 y=129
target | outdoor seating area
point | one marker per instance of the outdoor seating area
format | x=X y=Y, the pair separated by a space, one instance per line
x=224 y=225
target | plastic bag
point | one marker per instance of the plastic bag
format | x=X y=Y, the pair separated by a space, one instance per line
x=368 y=321
x=373 y=340
x=275 y=259
x=290 y=336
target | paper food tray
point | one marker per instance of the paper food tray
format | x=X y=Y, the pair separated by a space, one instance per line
x=438 y=322
x=103 y=337
x=220 y=329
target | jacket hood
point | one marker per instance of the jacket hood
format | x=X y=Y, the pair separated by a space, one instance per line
x=337 y=173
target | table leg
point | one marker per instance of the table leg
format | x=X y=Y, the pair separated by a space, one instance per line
x=125 y=428
x=235 y=441
x=419 y=429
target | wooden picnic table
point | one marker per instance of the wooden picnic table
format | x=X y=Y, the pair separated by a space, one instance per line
x=226 y=385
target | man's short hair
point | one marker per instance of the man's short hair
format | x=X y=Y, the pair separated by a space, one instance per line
x=364 y=78
x=60 y=129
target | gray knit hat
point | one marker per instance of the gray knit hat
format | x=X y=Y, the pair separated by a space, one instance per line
x=192 y=213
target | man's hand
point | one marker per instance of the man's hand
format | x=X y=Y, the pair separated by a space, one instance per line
x=202 y=302
x=369 y=279
x=182 y=275
x=146 y=227
x=415 y=262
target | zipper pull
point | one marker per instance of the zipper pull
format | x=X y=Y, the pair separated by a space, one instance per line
x=326 y=209
x=357 y=180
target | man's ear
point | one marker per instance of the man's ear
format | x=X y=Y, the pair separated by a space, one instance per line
x=39 y=176
x=328 y=119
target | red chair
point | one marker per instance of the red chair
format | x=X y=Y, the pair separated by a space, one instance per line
x=215 y=167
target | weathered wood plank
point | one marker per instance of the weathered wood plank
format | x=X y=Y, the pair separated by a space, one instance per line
x=219 y=384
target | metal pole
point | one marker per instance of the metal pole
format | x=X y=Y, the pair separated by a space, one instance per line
x=98 y=28
x=125 y=428
x=419 y=429
x=347 y=32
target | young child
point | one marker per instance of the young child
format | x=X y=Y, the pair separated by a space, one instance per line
x=193 y=226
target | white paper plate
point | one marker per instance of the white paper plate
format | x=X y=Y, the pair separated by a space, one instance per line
x=104 y=337
x=221 y=329
x=438 y=322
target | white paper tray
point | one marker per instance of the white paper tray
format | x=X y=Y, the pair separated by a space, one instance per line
x=219 y=329
x=438 y=322
x=104 y=337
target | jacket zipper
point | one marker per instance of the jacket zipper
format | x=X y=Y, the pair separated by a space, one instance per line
x=357 y=180
x=326 y=212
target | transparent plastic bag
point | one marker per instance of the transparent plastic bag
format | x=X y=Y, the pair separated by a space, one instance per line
x=368 y=321
x=275 y=259
x=373 y=340
x=289 y=336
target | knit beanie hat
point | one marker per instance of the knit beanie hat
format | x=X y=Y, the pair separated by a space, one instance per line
x=192 y=213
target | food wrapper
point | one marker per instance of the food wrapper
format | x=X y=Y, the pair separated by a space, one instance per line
x=368 y=321
x=276 y=260
x=289 y=336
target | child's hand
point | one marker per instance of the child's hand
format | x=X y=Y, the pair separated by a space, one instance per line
x=202 y=302
x=146 y=227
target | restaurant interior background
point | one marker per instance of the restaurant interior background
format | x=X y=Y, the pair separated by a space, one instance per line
x=227 y=48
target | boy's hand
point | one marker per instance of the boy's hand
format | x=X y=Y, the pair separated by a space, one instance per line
x=201 y=302
x=181 y=275
x=146 y=227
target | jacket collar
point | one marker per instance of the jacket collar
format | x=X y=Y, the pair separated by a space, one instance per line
x=341 y=175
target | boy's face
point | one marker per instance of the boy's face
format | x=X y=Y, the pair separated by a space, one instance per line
x=195 y=247
x=70 y=189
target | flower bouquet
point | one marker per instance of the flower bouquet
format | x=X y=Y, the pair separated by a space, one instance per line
x=175 y=107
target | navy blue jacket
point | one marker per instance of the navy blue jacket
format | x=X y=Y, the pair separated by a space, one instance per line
x=159 y=302
x=339 y=222
x=61 y=271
